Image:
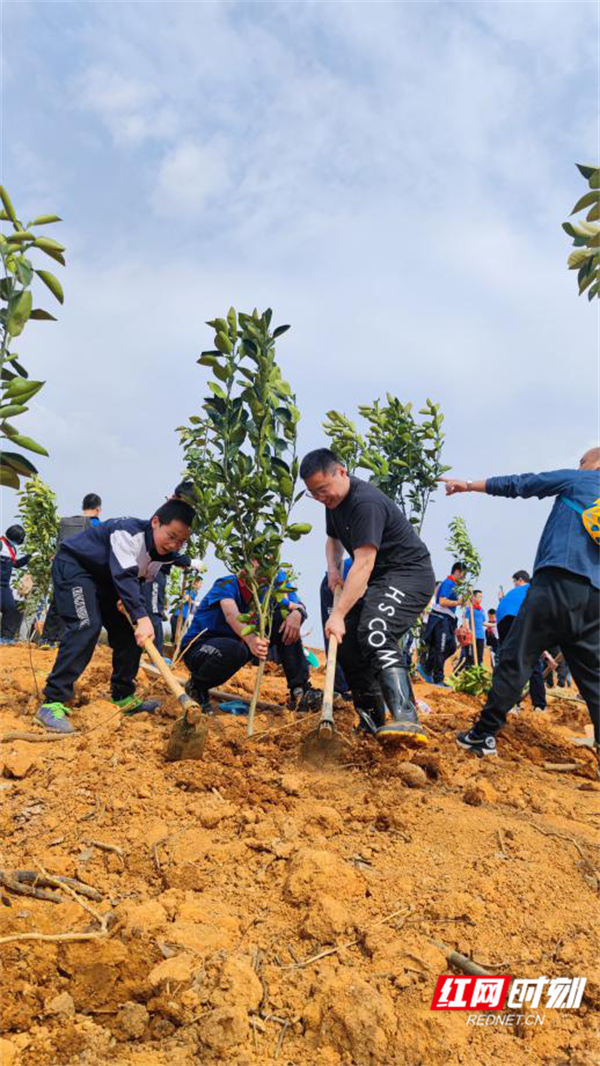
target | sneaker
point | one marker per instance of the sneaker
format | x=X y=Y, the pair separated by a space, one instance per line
x=479 y=744
x=441 y=684
x=47 y=646
x=136 y=705
x=199 y=696
x=54 y=717
x=426 y=677
x=305 y=699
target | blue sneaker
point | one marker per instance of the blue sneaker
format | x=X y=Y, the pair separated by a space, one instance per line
x=426 y=677
x=54 y=716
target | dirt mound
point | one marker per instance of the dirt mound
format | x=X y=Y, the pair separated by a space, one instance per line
x=255 y=909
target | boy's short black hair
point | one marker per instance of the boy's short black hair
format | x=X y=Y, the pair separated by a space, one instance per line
x=91 y=502
x=492 y=610
x=457 y=566
x=175 y=511
x=184 y=490
x=521 y=575
x=319 y=461
x=478 y=592
x=16 y=534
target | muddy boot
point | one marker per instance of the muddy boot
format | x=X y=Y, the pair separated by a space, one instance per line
x=398 y=694
x=369 y=721
x=305 y=699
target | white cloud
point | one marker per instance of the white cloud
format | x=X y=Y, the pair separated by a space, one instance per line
x=190 y=176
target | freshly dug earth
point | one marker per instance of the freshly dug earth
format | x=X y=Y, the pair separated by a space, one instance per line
x=258 y=910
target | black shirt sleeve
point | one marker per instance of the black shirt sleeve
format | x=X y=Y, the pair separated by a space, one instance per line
x=329 y=525
x=368 y=524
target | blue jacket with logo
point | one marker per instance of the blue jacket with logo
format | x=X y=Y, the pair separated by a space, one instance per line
x=209 y=615
x=565 y=542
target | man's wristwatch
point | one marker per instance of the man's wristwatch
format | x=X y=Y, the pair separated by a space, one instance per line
x=469 y=486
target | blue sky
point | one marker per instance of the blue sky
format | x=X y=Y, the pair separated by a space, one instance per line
x=389 y=177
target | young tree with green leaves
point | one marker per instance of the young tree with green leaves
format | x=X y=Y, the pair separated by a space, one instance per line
x=241 y=455
x=401 y=452
x=585 y=259
x=460 y=546
x=39 y=518
x=16 y=309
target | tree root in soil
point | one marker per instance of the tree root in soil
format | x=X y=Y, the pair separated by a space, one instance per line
x=33 y=884
x=72 y=936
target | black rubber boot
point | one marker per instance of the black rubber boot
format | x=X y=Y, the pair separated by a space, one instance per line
x=370 y=709
x=305 y=699
x=399 y=698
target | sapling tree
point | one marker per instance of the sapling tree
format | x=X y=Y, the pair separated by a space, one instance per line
x=39 y=518
x=16 y=309
x=241 y=455
x=461 y=548
x=401 y=452
x=585 y=259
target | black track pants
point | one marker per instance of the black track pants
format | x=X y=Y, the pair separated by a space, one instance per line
x=213 y=660
x=560 y=608
x=441 y=642
x=85 y=606
x=376 y=625
x=11 y=614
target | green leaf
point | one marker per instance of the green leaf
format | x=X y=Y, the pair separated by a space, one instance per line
x=41 y=315
x=18 y=314
x=28 y=443
x=585 y=201
x=280 y=329
x=22 y=390
x=24 y=270
x=9 y=477
x=47 y=244
x=53 y=284
x=10 y=211
x=18 y=462
x=223 y=343
x=44 y=220
x=12 y=410
x=20 y=236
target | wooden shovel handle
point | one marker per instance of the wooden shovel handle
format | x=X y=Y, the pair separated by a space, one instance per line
x=191 y=709
x=331 y=662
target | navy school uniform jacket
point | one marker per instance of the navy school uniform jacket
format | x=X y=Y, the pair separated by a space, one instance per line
x=9 y=561
x=120 y=553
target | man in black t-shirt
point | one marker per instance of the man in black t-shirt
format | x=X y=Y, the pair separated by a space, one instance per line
x=387 y=587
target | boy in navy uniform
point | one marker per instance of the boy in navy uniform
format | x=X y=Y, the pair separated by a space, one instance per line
x=92 y=572
x=220 y=650
x=10 y=560
x=441 y=628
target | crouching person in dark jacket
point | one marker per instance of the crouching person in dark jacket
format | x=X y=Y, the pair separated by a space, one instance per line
x=92 y=572
x=217 y=649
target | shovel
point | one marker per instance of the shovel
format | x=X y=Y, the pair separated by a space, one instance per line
x=188 y=735
x=322 y=744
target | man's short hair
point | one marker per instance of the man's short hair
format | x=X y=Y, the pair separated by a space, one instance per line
x=478 y=592
x=91 y=502
x=521 y=575
x=457 y=566
x=492 y=610
x=319 y=461
x=175 y=511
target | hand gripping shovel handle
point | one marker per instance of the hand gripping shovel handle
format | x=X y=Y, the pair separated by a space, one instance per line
x=191 y=709
x=327 y=709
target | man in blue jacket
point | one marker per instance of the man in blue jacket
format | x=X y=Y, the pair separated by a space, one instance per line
x=562 y=602
x=92 y=572
x=220 y=650
x=441 y=627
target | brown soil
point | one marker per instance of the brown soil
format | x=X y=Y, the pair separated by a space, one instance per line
x=238 y=869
